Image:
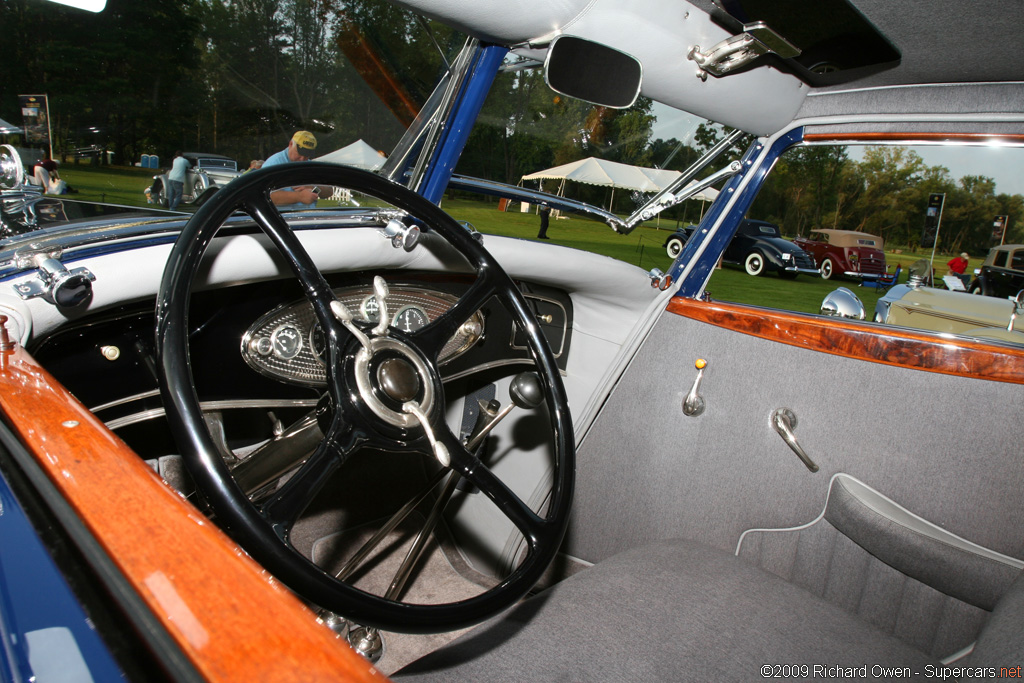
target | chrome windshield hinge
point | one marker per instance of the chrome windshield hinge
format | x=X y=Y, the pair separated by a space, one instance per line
x=737 y=51
x=53 y=281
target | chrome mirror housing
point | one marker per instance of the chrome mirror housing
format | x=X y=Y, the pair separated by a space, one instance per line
x=842 y=303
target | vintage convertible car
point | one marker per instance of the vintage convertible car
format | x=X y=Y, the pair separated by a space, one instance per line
x=928 y=308
x=845 y=253
x=235 y=444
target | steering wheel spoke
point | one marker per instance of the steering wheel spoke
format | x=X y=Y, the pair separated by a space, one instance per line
x=432 y=338
x=467 y=465
x=274 y=225
x=283 y=508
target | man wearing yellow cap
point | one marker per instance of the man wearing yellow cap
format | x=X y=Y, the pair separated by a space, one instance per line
x=300 y=148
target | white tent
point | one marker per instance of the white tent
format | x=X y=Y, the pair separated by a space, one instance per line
x=595 y=171
x=612 y=174
x=358 y=154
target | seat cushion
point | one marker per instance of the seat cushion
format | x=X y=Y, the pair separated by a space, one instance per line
x=674 y=610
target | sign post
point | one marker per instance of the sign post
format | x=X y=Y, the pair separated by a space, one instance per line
x=932 y=224
x=999 y=226
x=35 y=112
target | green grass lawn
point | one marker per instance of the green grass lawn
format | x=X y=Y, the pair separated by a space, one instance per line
x=643 y=247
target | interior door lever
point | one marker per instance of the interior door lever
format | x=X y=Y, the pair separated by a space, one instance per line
x=784 y=421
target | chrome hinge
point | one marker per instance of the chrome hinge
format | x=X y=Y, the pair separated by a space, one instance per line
x=737 y=51
x=53 y=281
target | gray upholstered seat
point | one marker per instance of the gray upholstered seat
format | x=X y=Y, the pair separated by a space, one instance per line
x=674 y=610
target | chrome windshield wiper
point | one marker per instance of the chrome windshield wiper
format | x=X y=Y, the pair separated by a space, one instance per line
x=678 y=191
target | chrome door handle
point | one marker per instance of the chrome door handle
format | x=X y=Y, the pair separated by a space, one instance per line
x=784 y=421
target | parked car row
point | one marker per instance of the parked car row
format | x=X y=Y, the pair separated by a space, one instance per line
x=760 y=248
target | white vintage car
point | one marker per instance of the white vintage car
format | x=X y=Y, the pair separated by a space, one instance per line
x=206 y=174
x=349 y=444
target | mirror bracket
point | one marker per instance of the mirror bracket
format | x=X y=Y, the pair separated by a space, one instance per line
x=737 y=51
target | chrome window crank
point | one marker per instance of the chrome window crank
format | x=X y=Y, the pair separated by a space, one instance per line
x=784 y=421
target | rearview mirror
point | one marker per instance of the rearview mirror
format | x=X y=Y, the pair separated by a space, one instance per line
x=592 y=72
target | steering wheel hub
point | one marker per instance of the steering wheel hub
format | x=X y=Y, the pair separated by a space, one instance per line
x=397 y=378
x=402 y=376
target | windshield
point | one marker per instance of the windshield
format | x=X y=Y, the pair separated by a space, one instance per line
x=227 y=83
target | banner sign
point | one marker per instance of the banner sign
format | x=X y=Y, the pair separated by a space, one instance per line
x=932 y=218
x=35 y=113
x=999 y=229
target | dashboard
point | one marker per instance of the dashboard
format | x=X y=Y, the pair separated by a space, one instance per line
x=257 y=348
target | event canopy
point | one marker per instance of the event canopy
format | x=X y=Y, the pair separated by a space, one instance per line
x=358 y=154
x=594 y=171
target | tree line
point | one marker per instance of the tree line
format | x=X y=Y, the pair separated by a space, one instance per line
x=885 y=193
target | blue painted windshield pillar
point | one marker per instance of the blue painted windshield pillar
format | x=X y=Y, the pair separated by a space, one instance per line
x=716 y=244
x=467 y=107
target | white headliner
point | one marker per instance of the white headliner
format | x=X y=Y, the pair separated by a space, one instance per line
x=941 y=41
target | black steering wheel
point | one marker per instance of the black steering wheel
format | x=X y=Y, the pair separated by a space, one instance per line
x=370 y=408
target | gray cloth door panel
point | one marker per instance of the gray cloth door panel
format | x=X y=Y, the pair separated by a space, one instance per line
x=943 y=446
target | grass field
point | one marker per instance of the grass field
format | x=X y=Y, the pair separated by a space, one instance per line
x=643 y=247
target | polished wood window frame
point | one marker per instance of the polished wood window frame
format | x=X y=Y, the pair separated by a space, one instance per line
x=875 y=343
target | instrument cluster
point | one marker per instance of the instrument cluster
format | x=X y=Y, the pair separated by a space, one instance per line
x=288 y=344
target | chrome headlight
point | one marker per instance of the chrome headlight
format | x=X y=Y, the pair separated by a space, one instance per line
x=842 y=303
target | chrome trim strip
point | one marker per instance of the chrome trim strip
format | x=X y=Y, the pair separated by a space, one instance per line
x=216 y=405
x=126 y=399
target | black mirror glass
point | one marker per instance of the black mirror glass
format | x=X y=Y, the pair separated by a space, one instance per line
x=592 y=72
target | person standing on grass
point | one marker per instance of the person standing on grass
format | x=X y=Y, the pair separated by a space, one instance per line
x=545 y=214
x=176 y=180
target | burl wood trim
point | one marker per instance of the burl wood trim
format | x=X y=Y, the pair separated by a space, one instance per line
x=229 y=616
x=873 y=343
x=1012 y=138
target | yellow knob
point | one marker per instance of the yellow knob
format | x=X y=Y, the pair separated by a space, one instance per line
x=700 y=364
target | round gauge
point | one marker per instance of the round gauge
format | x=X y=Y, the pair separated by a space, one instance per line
x=287 y=342
x=370 y=309
x=318 y=342
x=262 y=346
x=410 y=319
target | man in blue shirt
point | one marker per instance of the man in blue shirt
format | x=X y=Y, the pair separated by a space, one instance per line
x=300 y=148
x=176 y=180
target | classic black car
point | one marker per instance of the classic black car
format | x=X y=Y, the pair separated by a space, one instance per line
x=758 y=246
x=243 y=444
x=1002 y=273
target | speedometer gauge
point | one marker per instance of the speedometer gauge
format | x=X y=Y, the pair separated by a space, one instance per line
x=410 y=319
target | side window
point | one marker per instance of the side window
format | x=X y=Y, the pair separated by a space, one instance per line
x=868 y=206
x=1018 y=260
x=1000 y=259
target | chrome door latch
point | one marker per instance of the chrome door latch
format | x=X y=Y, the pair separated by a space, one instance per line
x=53 y=281
x=693 y=404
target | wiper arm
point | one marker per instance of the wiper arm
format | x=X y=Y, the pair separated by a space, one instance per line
x=668 y=198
